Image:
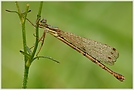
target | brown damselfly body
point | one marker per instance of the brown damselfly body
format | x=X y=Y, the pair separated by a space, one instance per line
x=95 y=51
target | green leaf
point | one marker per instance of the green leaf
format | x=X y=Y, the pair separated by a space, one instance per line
x=25 y=54
x=29 y=50
x=50 y=58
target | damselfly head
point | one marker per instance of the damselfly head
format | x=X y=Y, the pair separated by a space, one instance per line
x=42 y=23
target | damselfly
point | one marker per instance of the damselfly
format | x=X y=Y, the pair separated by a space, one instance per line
x=97 y=52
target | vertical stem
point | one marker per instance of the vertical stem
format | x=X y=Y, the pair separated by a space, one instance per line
x=25 y=77
x=23 y=19
x=28 y=62
x=37 y=29
x=24 y=32
x=19 y=13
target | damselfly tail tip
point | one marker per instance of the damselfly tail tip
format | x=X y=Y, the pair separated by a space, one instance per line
x=120 y=77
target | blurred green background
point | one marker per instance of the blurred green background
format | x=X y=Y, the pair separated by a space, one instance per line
x=106 y=22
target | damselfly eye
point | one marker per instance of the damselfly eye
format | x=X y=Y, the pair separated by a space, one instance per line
x=44 y=21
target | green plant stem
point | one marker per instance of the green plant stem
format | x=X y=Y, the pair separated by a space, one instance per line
x=37 y=30
x=25 y=77
x=27 y=58
x=19 y=13
x=23 y=20
x=24 y=32
x=29 y=61
x=25 y=49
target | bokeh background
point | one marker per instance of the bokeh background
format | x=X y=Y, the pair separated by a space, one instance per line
x=106 y=22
